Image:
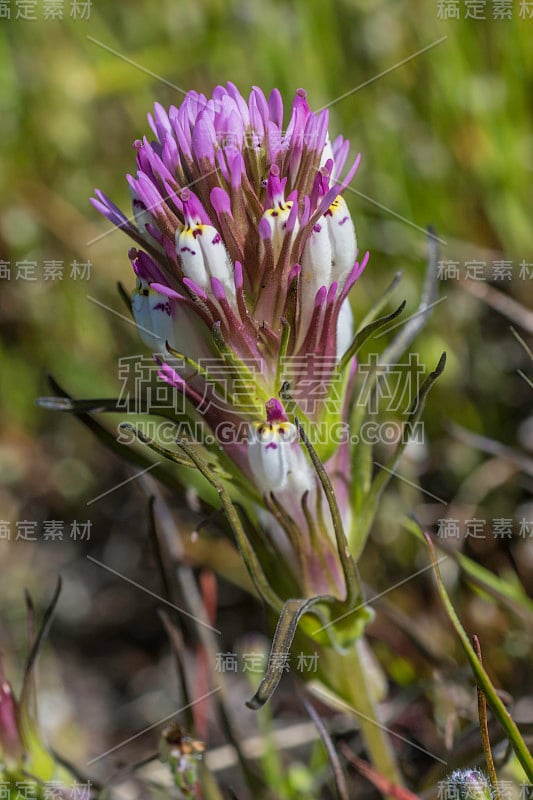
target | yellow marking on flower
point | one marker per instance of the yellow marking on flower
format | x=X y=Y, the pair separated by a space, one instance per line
x=273 y=432
x=334 y=207
x=193 y=230
x=278 y=209
x=338 y=207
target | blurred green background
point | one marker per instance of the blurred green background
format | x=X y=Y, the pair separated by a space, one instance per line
x=446 y=139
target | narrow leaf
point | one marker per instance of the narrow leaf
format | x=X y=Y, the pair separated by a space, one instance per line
x=365 y=333
x=39 y=640
x=290 y=616
x=124 y=296
x=349 y=569
x=500 y=712
x=363 y=522
x=511 y=595
x=378 y=307
x=484 y=727
x=253 y=564
x=110 y=441
x=338 y=774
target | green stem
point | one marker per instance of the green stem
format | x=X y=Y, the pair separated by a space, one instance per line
x=483 y=681
x=374 y=733
x=354 y=684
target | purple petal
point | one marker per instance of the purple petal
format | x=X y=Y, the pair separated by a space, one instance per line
x=160 y=123
x=170 y=154
x=203 y=139
x=109 y=210
x=295 y=271
x=220 y=201
x=237 y=170
x=182 y=134
x=240 y=101
x=275 y=193
x=320 y=296
x=144 y=266
x=292 y=218
x=218 y=289
x=237 y=275
x=300 y=112
x=341 y=147
x=275 y=411
x=161 y=288
x=275 y=105
x=194 y=288
x=265 y=231
x=332 y=291
x=356 y=273
x=195 y=213
x=146 y=191
x=166 y=373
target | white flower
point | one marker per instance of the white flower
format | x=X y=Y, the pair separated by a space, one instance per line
x=204 y=256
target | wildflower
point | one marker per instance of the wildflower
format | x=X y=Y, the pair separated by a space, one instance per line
x=245 y=253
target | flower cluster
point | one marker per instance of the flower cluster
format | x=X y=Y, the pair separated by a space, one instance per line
x=246 y=252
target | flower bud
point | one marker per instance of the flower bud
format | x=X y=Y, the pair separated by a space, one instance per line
x=11 y=748
x=469 y=784
x=183 y=754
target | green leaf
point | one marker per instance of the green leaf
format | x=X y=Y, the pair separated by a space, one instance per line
x=230 y=399
x=349 y=569
x=365 y=333
x=381 y=303
x=255 y=395
x=510 y=594
x=341 y=376
x=363 y=521
x=483 y=681
x=171 y=455
x=100 y=406
x=291 y=614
